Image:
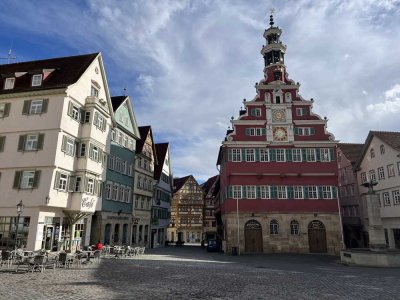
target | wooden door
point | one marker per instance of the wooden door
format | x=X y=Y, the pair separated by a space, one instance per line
x=317 y=237
x=253 y=237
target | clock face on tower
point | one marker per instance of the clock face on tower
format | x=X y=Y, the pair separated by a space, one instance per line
x=278 y=115
x=280 y=134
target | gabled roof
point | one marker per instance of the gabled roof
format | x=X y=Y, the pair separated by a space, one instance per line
x=62 y=72
x=389 y=137
x=161 y=152
x=116 y=102
x=351 y=151
x=179 y=182
x=206 y=186
x=144 y=131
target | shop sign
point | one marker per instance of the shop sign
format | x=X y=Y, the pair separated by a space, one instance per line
x=88 y=203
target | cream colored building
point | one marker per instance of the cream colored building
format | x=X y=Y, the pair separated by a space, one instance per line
x=380 y=162
x=54 y=126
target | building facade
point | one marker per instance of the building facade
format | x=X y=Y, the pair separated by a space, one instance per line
x=278 y=170
x=186 y=211
x=349 y=196
x=55 y=116
x=379 y=161
x=209 y=221
x=161 y=208
x=113 y=223
x=145 y=160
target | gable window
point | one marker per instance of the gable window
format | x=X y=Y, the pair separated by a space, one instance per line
x=386 y=199
x=37 y=79
x=36 y=107
x=94 y=92
x=264 y=155
x=390 y=169
x=273 y=227
x=301 y=111
x=382 y=148
x=294 y=227
x=280 y=155
x=250 y=155
x=372 y=152
x=255 y=112
x=381 y=173
x=9 y=83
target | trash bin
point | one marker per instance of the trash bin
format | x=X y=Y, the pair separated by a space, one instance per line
x=234 y=251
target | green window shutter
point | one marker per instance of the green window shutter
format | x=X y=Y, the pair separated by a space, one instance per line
x=104 y=124
x=272 y=154
x=82 y=116
x=258 y=192
x=263 y=131
x=244 y=194
x=2 y=143
x=17 y=179
x=64 y=144
x=290 y=192
x=71 y=182
x=274 y=192
x=25 y=108
x=36 y=179
x=252 y=112
x=21 y=143
x=296 y=131
x=247 y=131
x=243 y=154
x=40 y=141
x=318 y=151
x=70 y=107
x=304 y=153
x=100 y=158
x=304 y=111
x=332 y=154
x=306 y=192
x=257 y=154
x=288 y=154
x=76 y=148
x=320 y=192
x=229 y=154
x=7 y=107
x=334 y=192
x=56 y=180
x=230 y=192
x=312 y=131
x=45 y=104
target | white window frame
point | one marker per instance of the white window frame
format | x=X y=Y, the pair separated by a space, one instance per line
x=372 y=175
x=273 y=227
x=236 y=154
x=82 y=149
x=9 y=83
x=90 y=185
x=27 y=178
x=298 y=192
x=111 y=162
x=100 y=121
x=62 y=182
x=294 y=227
x=265 y=192
x=114 y=192
x=299 y=111
x=2 y=109
x=312 y=192
x=325 y=155
x=36 y=107
x=77 y=184
x=311 y=155
x=94 y=91
x=95 y=153
x=386 y=199
x=363 y=177
x=70 y=147
x=327 y=192
x=250 y=155
x=37 y=79
x=281 y=192
x=75 y=113
x=280 y=155
x=264 y=155
x=381 y=173
x=396 y=197
x=251 y=192
x=236 y=191
x=390 y=169
x=31 y=142
x=296 y=155
x=108 y=190
x=259 y=131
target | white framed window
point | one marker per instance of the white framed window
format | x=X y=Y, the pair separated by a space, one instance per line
x=372 y=175
x=127 y=195
x=363 y=177
x=111 y=160
x=294 y=227
x=113 y=135
x=250 y=131
x=3 y=112
x=264 y=155
x=250 y=155
x=31 y=142
x=9 y=83
x=120 y=137
x=87 y=117
x=78 y=182
x=296 y=155
x=90 y=185
x=121 y=191
x=108 y=190
x=390 y=169
x=281 y=192
x=95 y=153
x=114 y=193
x=310 y=154
x=274 y=227
x=70 y=147
x=265 y=192
x=298 y=192
x=236 y=155
x=312 y=192
x=381 y=173
x=250 y=192
x=37 y=79
x=396 y=197
x=94 y=92
x=27 y=179
x=82 y=150
x=100 y=122
x=301 y=111
x=256 y=112
x=259 y=131
x=36 y=107
x=75 y=113
x=237 y=191
x=325 y=157
x=280 y=155
x=386 y=199
x=327 y=192
x=62 y=182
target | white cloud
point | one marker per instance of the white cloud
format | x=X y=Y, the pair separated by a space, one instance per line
x=391 y=105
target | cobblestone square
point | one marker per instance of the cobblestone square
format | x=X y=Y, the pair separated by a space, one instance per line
x=192 y=273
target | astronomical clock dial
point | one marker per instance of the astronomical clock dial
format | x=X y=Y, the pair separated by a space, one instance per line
x=278 y=115
x=280 y=134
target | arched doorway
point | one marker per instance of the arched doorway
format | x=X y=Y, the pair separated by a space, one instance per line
x=317 y=237
x=253 y=237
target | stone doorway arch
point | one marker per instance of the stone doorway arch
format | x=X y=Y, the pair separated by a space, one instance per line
x=253 y=242
x=317 y=237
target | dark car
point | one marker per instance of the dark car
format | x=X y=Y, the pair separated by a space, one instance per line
x=212 y=246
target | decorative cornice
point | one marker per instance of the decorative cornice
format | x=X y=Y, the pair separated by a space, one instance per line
x=34 y=93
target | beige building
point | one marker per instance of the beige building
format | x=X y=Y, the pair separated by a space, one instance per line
x=54 y=125
x=145 y=160
x=380 y=162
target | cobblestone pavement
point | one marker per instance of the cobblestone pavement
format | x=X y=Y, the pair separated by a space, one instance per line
x=192 y=273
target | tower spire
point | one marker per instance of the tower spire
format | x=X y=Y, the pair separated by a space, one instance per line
x=271 y=17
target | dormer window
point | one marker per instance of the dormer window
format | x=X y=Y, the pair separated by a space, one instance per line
x=94 y=92
x=37 y=80
x=9 y=83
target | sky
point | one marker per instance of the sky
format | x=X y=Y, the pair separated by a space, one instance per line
x=189 y=64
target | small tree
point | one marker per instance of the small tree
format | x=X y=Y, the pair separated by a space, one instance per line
x=73 y=218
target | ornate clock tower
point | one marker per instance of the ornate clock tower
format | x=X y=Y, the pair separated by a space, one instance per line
x=278 y=171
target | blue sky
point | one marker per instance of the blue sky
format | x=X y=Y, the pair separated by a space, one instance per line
x=187 y=65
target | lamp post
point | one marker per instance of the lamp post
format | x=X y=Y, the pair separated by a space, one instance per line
x=238 y=228
x=19 y=212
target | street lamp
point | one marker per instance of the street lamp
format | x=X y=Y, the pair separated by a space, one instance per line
x=238 y=225
x=19 y=212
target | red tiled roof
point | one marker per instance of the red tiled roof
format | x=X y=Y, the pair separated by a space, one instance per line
x=351 y=151
x=63 y=71
x=389 y=137
x=206 y=186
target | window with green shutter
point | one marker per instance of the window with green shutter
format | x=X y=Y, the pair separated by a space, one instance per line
x=332 y=154
x=26 y=107
x=17 y=179
x=318 y=153
x=334 y=192
x=5 y=109
x=312 y=131
x=288 y=154
x=274 y=192
x=272 y=154
x=2 y=143
x=290 y=192
x=21 y=142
